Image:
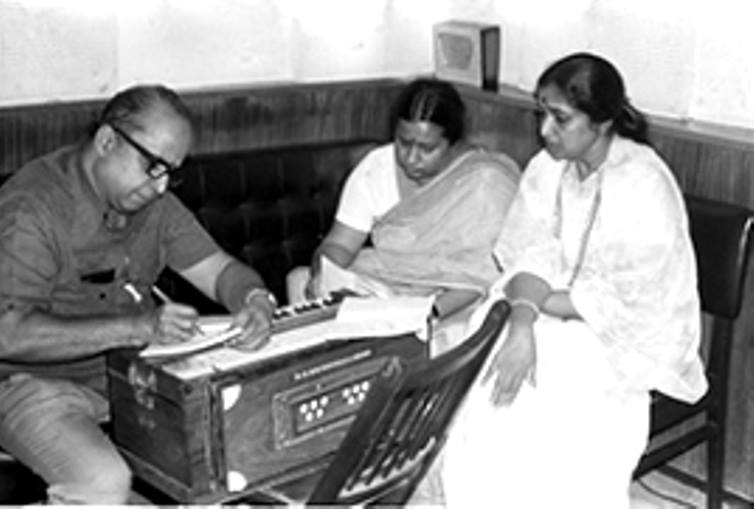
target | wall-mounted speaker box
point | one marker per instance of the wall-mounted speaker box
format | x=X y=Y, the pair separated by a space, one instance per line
x=467 y=52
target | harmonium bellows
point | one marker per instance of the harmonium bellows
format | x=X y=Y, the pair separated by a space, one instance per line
x=212 y=437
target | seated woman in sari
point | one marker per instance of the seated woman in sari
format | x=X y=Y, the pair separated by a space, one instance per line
x=431 y=202
x=600 y=274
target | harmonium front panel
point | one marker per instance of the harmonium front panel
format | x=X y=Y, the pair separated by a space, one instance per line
x=210 y=438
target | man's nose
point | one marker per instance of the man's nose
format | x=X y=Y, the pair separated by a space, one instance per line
x=160 y=184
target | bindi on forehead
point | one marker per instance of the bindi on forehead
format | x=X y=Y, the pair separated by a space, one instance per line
x=550 y=98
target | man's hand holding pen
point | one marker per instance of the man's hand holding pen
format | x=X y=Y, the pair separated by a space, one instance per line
x=173 y=322
x=169 y=323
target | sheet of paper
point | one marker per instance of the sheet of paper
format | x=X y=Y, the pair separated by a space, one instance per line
x=334 y=278
x=403 y=311
x=215 y=331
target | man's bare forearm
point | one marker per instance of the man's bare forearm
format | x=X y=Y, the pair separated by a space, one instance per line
x=40 y=337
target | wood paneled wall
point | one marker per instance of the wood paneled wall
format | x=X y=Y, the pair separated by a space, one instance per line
x=232 y=119
x=707 y=162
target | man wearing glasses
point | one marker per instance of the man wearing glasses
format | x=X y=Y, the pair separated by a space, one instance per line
x=84 y=233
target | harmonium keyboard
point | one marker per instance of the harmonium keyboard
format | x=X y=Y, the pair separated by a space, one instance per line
x=202 y=432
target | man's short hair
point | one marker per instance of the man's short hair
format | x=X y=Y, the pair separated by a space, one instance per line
x=127 y=107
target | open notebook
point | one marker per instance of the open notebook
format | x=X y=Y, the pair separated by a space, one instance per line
x=357 y=317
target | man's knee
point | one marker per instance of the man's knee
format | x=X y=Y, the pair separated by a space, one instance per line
x=108 y=482
x=114 y=477
x=51 y=426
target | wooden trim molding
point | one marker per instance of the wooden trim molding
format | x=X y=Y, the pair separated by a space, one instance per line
x=227 y=119
x=708 y=160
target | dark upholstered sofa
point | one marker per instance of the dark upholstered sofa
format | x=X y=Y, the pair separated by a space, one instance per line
x=268 y=207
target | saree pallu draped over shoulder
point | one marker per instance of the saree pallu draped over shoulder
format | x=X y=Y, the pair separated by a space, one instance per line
x=444 y=234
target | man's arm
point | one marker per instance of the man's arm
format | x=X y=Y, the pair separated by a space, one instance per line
x=241 y=290
x=224 y=279
x=29 y=332
x=30 y=335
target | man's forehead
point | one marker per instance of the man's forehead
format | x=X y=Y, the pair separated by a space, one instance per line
x=160 y=119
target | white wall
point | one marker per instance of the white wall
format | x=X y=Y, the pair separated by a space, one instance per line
x=682 y=58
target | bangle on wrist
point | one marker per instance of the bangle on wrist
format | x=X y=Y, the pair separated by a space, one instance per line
x=261 y=292
x=526 y=303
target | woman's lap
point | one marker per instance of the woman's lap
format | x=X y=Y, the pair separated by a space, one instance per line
x=572 y=423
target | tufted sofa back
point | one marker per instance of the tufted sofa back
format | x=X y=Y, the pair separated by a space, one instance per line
x=268 y=207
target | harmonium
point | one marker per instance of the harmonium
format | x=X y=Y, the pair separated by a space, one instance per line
x=215 y=424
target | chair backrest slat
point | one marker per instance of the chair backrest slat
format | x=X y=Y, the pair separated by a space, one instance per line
x=406 y=415
x=422 y=429
x=396 y=431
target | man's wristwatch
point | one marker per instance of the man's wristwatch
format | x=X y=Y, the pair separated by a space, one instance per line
x=261 y=292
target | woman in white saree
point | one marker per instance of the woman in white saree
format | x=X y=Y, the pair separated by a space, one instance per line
x=431 y=203
x=600 y=273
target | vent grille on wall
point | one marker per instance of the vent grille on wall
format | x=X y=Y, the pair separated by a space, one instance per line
x=467 y=52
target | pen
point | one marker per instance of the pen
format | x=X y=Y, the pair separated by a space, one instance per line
x=167 y=300
x=133 y=292
x=161 y=295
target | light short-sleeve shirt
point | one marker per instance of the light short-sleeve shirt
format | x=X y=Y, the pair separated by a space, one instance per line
x=370 y=190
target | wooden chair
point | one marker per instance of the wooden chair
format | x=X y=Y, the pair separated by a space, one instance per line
x=399 y=429
x=721 y=234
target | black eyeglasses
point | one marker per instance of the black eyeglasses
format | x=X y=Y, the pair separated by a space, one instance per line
x=157 y=167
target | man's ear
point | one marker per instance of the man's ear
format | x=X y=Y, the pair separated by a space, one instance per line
x=104 y=139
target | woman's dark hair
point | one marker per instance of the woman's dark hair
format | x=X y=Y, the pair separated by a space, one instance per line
x=593 y=85
x=126 y=108
x=431 y=100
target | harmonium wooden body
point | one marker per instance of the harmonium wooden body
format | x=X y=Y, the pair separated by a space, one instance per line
x=201 y=434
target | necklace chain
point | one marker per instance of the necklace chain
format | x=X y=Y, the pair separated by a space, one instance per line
x=586 y=233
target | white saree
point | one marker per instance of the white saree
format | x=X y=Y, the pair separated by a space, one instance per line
x=443 y=235
x=632 y=278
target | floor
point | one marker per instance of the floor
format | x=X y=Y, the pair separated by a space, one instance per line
x=657 y=491
x=653 y=491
